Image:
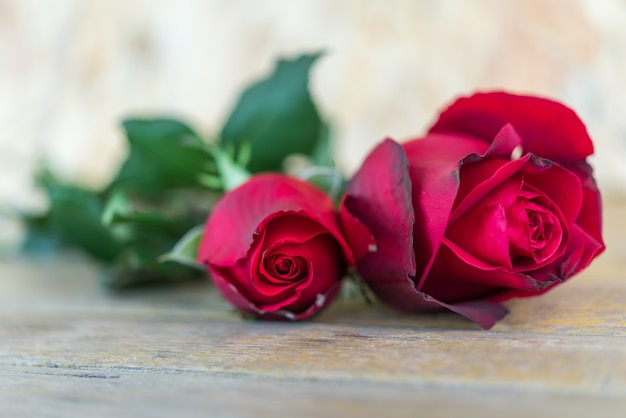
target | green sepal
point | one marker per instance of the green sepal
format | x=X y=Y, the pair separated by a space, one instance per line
x=185 y=251
x=230 y=173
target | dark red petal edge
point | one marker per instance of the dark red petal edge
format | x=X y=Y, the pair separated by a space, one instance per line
x=378 y=197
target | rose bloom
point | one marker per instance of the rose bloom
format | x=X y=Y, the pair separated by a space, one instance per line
x=496 y=201
x=274 y=248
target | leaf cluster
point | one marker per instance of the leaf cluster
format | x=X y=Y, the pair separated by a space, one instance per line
x=172 y=176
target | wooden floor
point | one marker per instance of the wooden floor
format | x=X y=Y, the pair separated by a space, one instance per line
x=69 y=348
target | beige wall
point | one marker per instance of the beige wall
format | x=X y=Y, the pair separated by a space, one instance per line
x=70 y=69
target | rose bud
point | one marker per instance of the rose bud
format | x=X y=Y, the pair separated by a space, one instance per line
x=496 y=201
x=274 y=248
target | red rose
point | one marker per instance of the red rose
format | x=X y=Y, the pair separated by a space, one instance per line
x=274 y=249
x=496 y=201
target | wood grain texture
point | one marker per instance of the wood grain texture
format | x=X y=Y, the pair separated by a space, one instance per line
x=70 y=348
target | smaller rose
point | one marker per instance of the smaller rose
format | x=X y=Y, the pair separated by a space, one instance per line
x=274 y=249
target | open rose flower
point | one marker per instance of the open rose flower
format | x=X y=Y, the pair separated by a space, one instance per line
x=496 y=201
x=274 y=248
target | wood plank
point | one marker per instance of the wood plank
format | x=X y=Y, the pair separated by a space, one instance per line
x=53 y=392
x=522 y=360
x=69 y=347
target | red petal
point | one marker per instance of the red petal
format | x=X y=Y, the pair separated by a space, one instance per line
x=483 y=234
x=590 y=216
x=484 y=312
x=379 y=197
x=453 y=279
x=504 y=143
x=503 y=180
x=405 y=298
x=356 y=233
x=434 y=162
x=580 y=251
x=556 y=182
x=548 y=128
x=321 y=300
x=282 y=228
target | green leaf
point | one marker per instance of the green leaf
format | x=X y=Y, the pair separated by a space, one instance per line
x=186 y=249
x=73 y=219
x=164 y=153
x=276 y=116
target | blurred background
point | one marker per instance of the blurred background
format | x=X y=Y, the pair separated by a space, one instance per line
x=70 y=70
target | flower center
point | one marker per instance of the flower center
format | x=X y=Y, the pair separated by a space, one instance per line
x=535 y=232
x=285 y=267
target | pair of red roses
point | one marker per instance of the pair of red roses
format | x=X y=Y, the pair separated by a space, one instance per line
x=496 y=201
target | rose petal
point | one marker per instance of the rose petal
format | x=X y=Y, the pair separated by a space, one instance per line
x=224 y=280
x=452 y=279
x=557 y=183
x=484 y=233
x=484 y=312
x=282 y=269
x=504 y=143
x=472 y=174
x=433 y=170
x=537 y=230
x=273 y=289
x=589 y=220
x=292 y=228
x=581 y=249
x=321 y=300
x=590 y=216
x=510 y=181
x=379 y=197
x=270 y=297
x=361 y=240
x=547 y=128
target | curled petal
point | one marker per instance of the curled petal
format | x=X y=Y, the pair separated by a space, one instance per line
x=484 y=234
x=359 y=237
x=433 y=170
x=379 y=198
x=590 y=216
x=401 y=295
x=547 y=128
